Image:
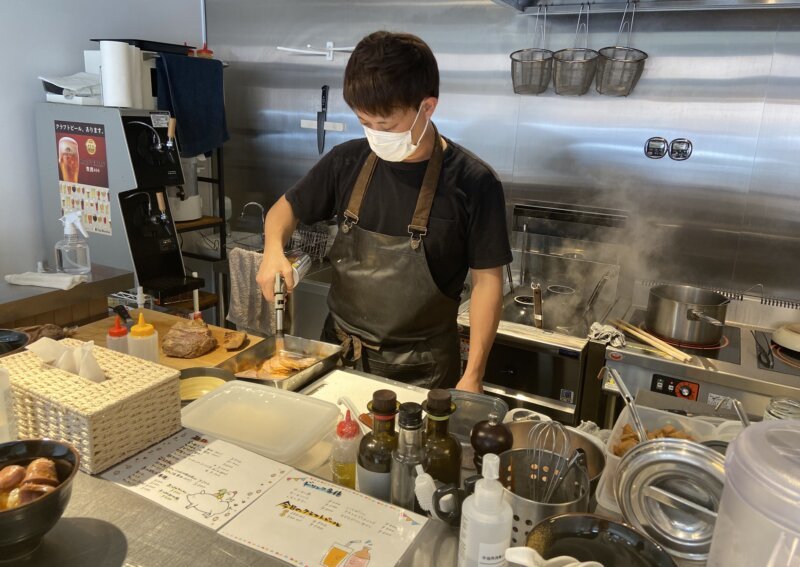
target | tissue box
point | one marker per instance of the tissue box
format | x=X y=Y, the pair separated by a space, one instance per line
x=136 y=406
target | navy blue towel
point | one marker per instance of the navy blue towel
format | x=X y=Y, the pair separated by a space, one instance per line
x=191 y=89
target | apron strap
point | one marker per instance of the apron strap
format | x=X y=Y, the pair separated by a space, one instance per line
x=351 y=345
x=419 y=222
x=359 y=190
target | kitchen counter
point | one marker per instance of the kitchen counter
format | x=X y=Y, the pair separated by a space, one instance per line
x=163 y=322
x=28 y=304
x=108 y=526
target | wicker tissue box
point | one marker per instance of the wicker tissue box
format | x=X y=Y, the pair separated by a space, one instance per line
x=136 y=406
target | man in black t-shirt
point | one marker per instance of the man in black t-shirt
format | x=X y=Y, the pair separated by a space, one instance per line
x=416 y=212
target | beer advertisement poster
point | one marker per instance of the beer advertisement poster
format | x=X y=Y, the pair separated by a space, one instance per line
x=83 y=173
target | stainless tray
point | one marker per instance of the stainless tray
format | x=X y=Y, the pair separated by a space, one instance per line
x=252 y=357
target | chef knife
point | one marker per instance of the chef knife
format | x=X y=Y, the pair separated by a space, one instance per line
x=322 y=115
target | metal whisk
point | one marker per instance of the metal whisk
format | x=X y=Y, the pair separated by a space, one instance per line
x=549 y=450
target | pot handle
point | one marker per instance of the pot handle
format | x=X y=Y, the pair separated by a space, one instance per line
x=694 y=315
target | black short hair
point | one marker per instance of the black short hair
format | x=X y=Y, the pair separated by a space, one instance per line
x=389 y=71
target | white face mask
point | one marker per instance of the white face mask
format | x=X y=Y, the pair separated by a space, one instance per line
x=394 y=146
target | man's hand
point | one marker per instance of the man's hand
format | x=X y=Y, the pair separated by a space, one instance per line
x=274 y=263
x=470 y=383
x=278 y=226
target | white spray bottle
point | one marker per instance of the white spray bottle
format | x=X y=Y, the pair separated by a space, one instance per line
x=486 y=521
x=72 y=253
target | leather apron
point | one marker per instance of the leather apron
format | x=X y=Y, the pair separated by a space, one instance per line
x=385 y=307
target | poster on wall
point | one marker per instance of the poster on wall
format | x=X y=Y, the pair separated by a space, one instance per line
x=83 y=173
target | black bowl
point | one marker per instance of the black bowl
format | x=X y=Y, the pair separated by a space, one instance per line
x=587 y=537
x=22 y=528
x=12 y=341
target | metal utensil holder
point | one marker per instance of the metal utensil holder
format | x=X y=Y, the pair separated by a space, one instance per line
x=572 y=495
x=574 y=68
x=619 y=68
x=532 y=69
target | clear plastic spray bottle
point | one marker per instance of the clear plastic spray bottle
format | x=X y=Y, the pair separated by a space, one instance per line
x=72 y=253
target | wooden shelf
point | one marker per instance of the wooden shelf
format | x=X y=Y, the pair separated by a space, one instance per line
x=202 y=222
x=186 y=306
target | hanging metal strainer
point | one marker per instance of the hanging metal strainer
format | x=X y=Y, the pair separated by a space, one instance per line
x=619 y=68
x=531 y=69
x=574 y=68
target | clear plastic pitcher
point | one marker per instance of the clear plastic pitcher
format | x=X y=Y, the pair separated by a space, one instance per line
x=759 y=517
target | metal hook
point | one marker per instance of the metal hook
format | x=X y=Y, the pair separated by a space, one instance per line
x=585 y=24
x=543 y=35
x=629 y=23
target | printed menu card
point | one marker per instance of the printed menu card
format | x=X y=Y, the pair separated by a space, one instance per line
x=204 y=479
x=306 y=521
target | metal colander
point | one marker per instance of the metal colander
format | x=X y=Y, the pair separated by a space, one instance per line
x=574 y=68
x=572 y=495
x=619 y=68
x=531 y=69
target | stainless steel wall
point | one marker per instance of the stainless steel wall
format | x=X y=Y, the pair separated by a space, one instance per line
x=727 y=80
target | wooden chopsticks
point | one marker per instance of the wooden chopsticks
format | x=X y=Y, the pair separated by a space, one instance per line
x=654 y=342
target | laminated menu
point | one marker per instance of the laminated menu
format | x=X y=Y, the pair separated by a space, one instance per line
x=266 y=505
x=306 y=521
x=204 y=479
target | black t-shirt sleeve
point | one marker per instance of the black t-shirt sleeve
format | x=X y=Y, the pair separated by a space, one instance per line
x=313 y=198
x=487 y=234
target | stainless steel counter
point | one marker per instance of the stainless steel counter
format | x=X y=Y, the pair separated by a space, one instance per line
x=108 y=526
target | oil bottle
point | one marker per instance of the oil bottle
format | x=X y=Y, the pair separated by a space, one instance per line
x=374 y=465
x=442 y=451
x=407 y=456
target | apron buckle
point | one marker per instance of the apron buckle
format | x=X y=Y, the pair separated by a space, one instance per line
x=416 y=232
x=349 y=220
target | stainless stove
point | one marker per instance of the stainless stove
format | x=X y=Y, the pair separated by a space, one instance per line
x=564 y=248
x=732 y=370
x=779 y=359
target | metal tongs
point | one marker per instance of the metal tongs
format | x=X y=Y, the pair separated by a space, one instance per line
x=638 y=426
x=765 y=355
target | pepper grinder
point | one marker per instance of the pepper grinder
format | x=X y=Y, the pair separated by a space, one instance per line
x=490 y=436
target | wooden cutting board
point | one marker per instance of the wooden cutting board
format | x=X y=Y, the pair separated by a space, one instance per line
x=98 y=330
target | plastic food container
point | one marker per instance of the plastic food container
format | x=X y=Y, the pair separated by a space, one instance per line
x=758 y=521
x=277 y=424
x=652 y=419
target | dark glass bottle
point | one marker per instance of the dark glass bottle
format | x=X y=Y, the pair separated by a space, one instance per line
x=442 y=451
x=374 y=465
x=407 y=456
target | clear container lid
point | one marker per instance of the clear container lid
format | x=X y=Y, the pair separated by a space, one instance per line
x=762 y=465
x=277 y=424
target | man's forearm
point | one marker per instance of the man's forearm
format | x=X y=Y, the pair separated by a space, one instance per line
x=484 y=314
x=278 y=226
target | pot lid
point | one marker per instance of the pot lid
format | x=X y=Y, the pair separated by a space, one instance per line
x=671 y=489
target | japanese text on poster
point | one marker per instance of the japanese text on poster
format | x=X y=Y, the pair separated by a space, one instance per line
x=83 y=173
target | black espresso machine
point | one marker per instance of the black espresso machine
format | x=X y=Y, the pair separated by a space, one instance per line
x=124 y=161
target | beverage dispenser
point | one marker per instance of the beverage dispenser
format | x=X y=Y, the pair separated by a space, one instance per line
x=115 y=166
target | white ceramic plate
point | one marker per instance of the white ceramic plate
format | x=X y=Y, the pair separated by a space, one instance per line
x=788 y=336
